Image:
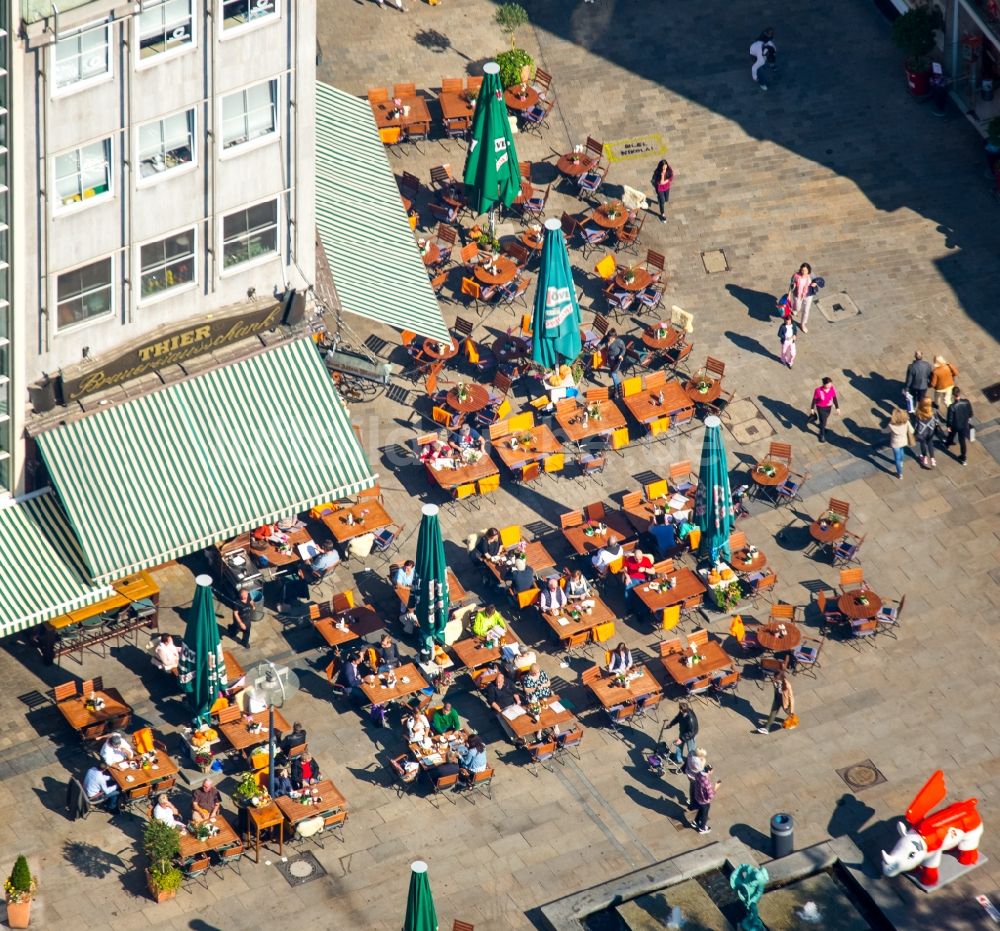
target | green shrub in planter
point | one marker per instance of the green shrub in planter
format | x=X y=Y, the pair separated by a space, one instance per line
x=511 y=63
x=913 y=33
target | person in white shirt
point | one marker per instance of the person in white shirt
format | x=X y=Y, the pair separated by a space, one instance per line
x=100 y=787
x=115 y=750
x=606 y=555
x=621 y=659
x=695 y=764
x=762 y=51
x=552 y=598
x=166 y=812
x=417 y=727
x=168 y=654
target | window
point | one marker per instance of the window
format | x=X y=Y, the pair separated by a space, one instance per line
x=248 y=234
x=249 y=114
x=167 y=264
x=166 y=144
x=239 y=12
x=84 y=293
x=165 y=25
x=82 y=55
x=83 y=173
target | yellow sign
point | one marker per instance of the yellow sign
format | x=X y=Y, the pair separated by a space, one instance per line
x=651 y=146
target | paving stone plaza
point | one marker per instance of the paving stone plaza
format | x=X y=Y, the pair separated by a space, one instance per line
x=835 y=165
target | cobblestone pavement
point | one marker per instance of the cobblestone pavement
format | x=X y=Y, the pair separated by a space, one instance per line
x=834 y=165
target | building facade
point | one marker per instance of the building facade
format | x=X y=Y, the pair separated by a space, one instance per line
x=159 y=171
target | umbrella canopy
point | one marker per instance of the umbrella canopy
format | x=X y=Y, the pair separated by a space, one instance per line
x=492 y=173
x=556 y=323
x=430 y=577
x=202 y=670
x=420 y=912
x=713 y=506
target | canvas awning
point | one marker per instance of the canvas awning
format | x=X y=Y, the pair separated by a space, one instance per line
x=369 y=245
x=200 y=461
x=42 y=574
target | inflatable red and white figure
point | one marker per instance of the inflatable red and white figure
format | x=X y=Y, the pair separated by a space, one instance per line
x=921 y=844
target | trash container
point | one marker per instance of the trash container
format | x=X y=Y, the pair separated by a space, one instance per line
x=986 y=90
x=782 y=834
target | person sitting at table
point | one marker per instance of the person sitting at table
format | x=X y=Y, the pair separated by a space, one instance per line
x=304 y=771
x=500 y=693
x=403 y=577
x=663 y=534
x=350 y=677
x=536 y=684
x=164 y=810
x=638 y=569
x=205 y=802
x=489 y=546
x=606 y=555
x=560 y=384
x=621 y=659
x=522 y=578
x=168 y=654
x=467 y=438
x=115 y=750
x=578 y=589
x=416 y=726
x=446 y=719
x=101 y=788
x=472 y=757
x=486 y=620
x=553 y=597
x=438 y=448
x=324 y=562
x=294 y=738
x=449 y=767
x=282 y=782
x=388 y=654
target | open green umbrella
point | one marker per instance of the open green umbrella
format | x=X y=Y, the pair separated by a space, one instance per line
x=555 y=329
x=202 y=670
x=430 y=577
x=492 y=173
x=713 y=505
x=420 y=912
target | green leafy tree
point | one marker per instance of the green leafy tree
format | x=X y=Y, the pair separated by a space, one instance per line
x=510 y=17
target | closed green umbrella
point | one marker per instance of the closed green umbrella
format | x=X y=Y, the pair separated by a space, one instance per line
x=420 y=912
x=430 y=577
x=202 y=669
x=492 y=173
x=555 y=329
x=713 y=505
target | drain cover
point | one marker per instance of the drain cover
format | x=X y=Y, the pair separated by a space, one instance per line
x=837 y=306
x=861 y=775
x=992 y=393
x=301 y=869
x=715 y=261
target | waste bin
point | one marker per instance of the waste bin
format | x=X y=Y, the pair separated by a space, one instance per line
x=782 y=834
x=986 y=90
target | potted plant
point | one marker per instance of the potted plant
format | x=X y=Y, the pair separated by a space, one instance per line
x=18 y=890
x=247 y=791
x=516 y=67
x=162 y=845
x=914 y=34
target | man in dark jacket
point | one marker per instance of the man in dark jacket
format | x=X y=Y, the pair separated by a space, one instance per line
x=688 y=724
x=918 y=377
x=959 y=423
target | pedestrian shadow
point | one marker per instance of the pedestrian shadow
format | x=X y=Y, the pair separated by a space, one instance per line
x=735 y=702
x=749 y=344
x=759 y=304
x=660 y=805
x=849 y=817
x=876 y=387
x=789 y=416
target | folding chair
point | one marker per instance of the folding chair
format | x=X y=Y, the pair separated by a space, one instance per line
x=482 y=783
x=439 y=786
x=620 y=717
x=569 y=743
x=790 y=489
x=542 y=755
x=888 y=617
x=196 y=872
x=845 y=551
x=724 y=684
x=806 y=656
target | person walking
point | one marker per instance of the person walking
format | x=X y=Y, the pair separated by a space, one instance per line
x=784 y=700
x=800 y=288
x=943 y=377
x=704 y=791
x=900 y=436
x=918 y=377
x=925 y=428
x=693 y=767
x=959 y=423
x=687 y=721
x=662 y=178
x=786 y=334
x=824 y=400
x=762 y=52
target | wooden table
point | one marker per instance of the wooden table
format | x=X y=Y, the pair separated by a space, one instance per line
x=369 y=517
x=242 y=739
x=767 y=636
x=332 y=800
x=432 y=352
x=611 y=419
x=661 y=344
x=378 y=694
x=473 y=653
x=80 y=719
x=715 y=660
x=530 y=241
x=740 y=565
x=543 y=443
x=261 y=819
x=600 y=216
x=476 y=398
x=509 y=348
x=761 y=480
x=609 y=694
x=641 y=515
x=442 y=743
x=523 y=726
x=583 y=543
x=456 y=108
x=574 y=169
x=456 y=593
x=506 y=270
x=465 y=474
x=432 y=255
x=520 y=104
x=851 y=608
x=645 y=406
x=688 y=586
x=193 y=849
x=564 y=626
x=828 y=536
x=641 y=280
x=275 y=556
x=129 y=779
x=362 y=621
x=419 y=114
x=536 y=556
x=234 y=671
x=706 y=397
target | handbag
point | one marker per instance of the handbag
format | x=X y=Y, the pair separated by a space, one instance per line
x=791 y=722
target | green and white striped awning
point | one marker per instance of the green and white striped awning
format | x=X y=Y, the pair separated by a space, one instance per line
x=42 y=574
x=373 y=257
x=203 y=460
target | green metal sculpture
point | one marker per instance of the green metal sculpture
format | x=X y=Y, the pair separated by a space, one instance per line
x=749 y=883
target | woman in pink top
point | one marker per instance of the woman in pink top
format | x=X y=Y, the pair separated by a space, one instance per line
x=662 y=178
x=801 y=293
x=824 y=400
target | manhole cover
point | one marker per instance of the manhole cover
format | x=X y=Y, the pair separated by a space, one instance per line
x=861 y=775
x=301 y=869
x=992 y=393
x=715 y=261
x=745 y=422
x=837 y=306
